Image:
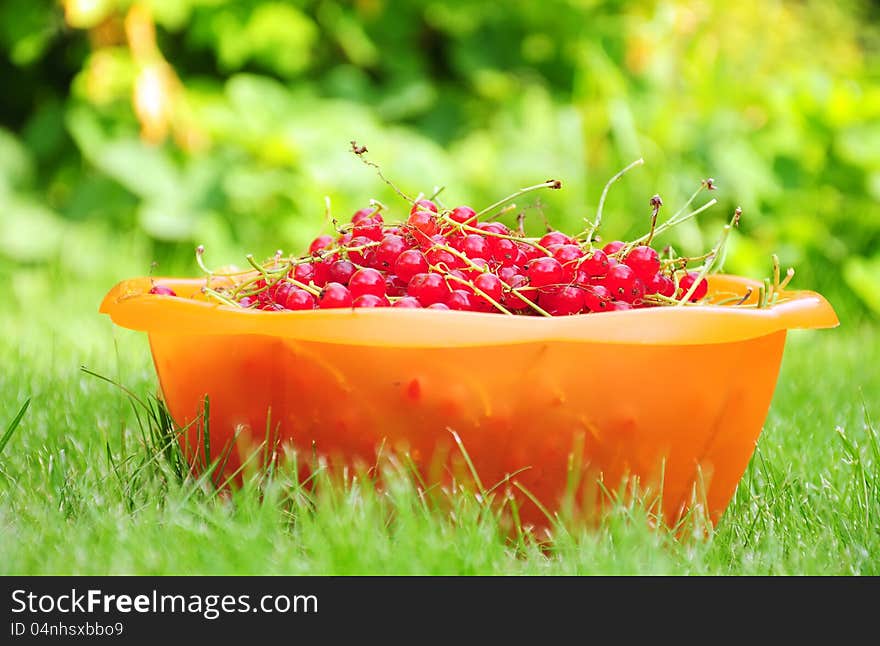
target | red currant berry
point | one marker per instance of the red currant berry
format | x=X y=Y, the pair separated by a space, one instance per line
x=428 y=288
x=461 y=300
x=494 y=227
x=423 y=205
x=687 y=281
x=463 y=214
x=597 y=264
x=162 y=290
x=247 y=302
x=513 y=302
x=360 y=250
x=567 y=253
x=596 y=298
x=544 y=271
x=438 y=306
x=623 y=283
x=438 y=256
x=370 y=300
x=475 y=246
x=619 y=306
x=563 y=301
x=644 y=261
x=660 y=284
x=367 y=281
x=491 y=286
x=363 y=214
x=555 y=237
x=299 y=299
x=388 y=251
x=407 y=302
x=320 y=243
x=341 y=271
x=394 y=286
x=503 y=251
x=613 y=247
x=334 y=296
x=303 y=272
x=369 y=228
x=410 y=263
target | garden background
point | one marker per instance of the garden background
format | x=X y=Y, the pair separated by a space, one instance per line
x=130 y=132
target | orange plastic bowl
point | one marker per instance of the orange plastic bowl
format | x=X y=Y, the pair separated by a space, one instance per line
x=674 y=396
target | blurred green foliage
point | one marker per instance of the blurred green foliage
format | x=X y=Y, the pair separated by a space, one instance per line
x=231 y=126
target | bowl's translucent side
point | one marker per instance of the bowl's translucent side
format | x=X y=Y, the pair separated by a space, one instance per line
x=686 y=416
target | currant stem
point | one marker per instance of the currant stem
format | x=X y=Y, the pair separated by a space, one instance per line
x=218 y=296
x=713 y=256
x=671 y=222
x=492 y=234
x=479 y=291
x=598 y=221
x=550 y=183
x=359 y=151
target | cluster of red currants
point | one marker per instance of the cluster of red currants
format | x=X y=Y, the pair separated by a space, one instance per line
x=446 y=259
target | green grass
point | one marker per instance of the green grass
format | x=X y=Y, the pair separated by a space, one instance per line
x=80 y=494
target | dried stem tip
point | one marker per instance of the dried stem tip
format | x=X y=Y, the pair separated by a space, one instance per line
x=737 y=214
x=357 y=150
x=553 y=183
x=656 y=202
x=710 y=184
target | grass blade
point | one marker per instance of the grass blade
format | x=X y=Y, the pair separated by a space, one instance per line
x=7 y=434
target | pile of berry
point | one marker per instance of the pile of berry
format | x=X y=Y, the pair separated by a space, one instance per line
x=447 y=259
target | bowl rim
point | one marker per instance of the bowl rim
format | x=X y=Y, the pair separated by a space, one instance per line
x=130 y=305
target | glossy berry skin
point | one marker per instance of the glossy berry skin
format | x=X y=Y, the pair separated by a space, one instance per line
x=423 y=218
x=428 y=288
x=388 y=251
x=623 y=283
x=644 y=261
x=491 y=286
x=596 y=264
x=369 y=300
x=410 y=263
x=334 y=296
x=494 y=227
x=478 y=267
x=407 y=302
x=685 y=283
x=362 y=214
x=369 y=228
x=441 y=257
x=394 y=286
x=618 y=306
x=358 y=255
x=503 y=251
x=554 y=237
x=463 y=214
x=563 y=301
x=247 y=302
x=303 y=272
x=513 y=302
x=545 y=271
x=299 y=299
x=476 y=246
x=460 y=300
x=367 y=281
x=340 y=271
x=438 y=306
x=567 y=253
x=423 y=205
x=320 y=243
x=162 y=290
x=613 y=247
x=660 y=284
x=596 y=298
